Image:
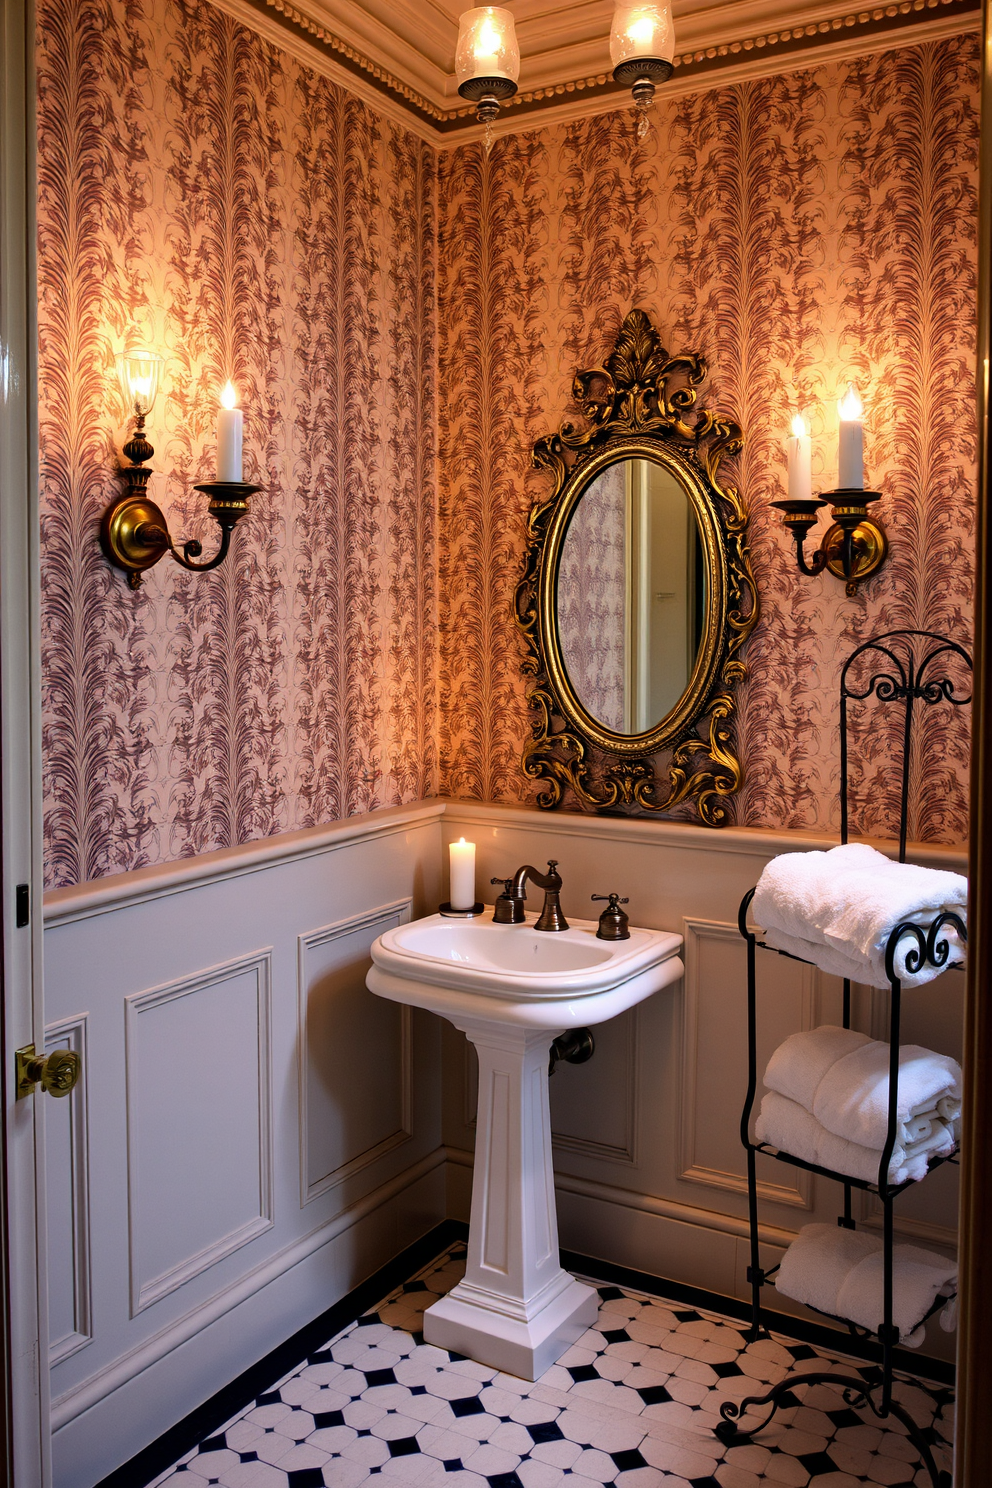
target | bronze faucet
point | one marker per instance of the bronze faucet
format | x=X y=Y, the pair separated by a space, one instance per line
x=510 y=904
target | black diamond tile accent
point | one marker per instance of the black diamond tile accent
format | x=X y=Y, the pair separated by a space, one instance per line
x=545 y=1431
x=654 y=1394
x=366 y=1431
x=504 y=1480
x=687 y=1317
x=801 y=1351
x=418 y=1390
x=469 y=1405
x=272 y=1398
x=306 y=1477
x=215 y=1443
x=609 y=1294
x=248 y=1456
x=404 y=1446
x=375 y=1377
x=582 y=1372
x=414 y=1286
x=323 y=1419
x=724 y=1371
x=452 y=1464
x=373 y=1470
x=322 y=1357
x=817 y=1462
x=456 y=1358
x=845 y=1417
x=632 y=1458
x=182 y=1467
x=616 y=1335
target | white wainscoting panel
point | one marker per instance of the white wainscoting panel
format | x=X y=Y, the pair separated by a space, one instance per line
x=199 y=1122
x=714 y=1056
x=594 y=1105
x=356 y=1054
x=70 y=1281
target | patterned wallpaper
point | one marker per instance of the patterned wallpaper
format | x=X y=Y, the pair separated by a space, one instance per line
x=401 y=326
x=801 y=231
x=204 y=193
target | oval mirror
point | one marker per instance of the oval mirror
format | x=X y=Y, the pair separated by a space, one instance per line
x=631 y=595
x=636 y=596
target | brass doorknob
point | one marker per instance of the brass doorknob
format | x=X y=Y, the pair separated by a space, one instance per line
x=57 y=1072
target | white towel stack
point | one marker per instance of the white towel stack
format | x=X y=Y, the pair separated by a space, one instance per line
x=839 y=1272
x=838 y=908
x=828 y=1104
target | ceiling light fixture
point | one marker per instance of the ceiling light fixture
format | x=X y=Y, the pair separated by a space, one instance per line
x=642 y=49
x=487 y=61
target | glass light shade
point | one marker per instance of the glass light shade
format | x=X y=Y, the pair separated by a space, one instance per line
x=139 y=372
x=487 y=45
x=642 y=31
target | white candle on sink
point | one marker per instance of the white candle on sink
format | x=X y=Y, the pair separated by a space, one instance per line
x=461 y=863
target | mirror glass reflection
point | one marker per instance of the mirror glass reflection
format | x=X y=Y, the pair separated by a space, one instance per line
x=631 y=596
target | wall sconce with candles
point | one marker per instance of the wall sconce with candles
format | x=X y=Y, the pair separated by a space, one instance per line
x=134 y=533
x=855 y=546
x=487 y=61
x=642 y=50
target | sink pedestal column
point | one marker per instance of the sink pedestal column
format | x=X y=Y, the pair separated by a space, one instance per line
x=516 y=1309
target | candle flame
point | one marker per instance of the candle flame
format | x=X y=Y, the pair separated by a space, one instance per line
x=850 y=407
x=641 y=31
x=461 y=842
x=799 y=429
x=229 y=397
x=488 y=40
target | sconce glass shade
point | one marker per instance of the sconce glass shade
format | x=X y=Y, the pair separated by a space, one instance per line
x=642 y=31
x=487 y=46
x=139 y=372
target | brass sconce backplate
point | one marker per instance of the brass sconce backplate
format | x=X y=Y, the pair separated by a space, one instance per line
x=134 y=534
x=869 y=548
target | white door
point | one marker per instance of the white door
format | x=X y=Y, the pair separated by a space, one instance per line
x=20 y=755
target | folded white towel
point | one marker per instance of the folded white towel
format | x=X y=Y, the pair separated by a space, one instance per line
x=842 y=1078
x=838 y=908
x=785 y=1124
x=839 y=1272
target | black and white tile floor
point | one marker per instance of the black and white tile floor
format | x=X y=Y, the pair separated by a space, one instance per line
x=633 y=1404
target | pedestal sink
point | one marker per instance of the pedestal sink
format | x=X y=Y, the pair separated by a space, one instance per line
x=512 y=990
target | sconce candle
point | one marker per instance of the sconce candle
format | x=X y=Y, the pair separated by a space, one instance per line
x=230 y=426
x=800 y=451
x=851 y=442
x=461 y=861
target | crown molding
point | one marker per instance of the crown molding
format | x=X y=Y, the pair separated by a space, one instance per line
x=563 y=49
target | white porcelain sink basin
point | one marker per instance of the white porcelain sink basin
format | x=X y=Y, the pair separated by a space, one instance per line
x=515 y=974
x=511 y=989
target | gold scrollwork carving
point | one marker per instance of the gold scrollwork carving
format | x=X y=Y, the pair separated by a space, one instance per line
x=640 y=404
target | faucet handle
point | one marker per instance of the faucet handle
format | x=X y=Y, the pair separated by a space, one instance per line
x=509 y=909
x=613 y=923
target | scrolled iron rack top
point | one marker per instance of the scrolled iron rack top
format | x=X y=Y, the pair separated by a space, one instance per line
x=910 y=676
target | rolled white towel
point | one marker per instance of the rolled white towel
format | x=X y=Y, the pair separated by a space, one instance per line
x=838 y=908
x=842 y=1078
x=784 y=1124
x=840 y=1272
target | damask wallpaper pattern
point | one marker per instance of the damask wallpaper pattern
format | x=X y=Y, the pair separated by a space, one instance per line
x=401 y=326
x=801 y=231
x=205 y=194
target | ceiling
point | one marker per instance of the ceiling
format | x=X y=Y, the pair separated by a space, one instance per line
x=400 y=54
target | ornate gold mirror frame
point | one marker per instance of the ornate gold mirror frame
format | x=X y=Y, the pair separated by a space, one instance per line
x=641 y=404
